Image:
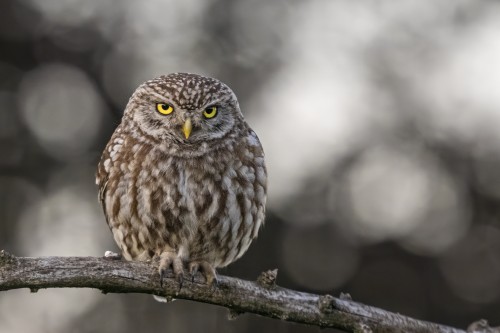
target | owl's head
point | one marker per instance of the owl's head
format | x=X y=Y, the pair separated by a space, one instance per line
x=185 y=109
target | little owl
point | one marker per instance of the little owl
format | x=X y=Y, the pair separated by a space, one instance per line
x=183 y=177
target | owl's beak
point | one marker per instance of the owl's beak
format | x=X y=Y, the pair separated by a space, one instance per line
x=187 y=127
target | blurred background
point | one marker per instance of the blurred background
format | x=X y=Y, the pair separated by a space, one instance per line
x=380 y=121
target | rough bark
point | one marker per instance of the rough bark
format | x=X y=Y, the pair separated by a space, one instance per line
x=262 y=297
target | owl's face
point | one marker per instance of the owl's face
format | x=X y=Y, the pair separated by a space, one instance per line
x=185 y=109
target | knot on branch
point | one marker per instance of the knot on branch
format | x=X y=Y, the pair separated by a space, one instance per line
x=268 y=278
x=482 y=326
x=112 y=255
x=233 y=314
x=345 y=296
x=363 y=328
x=6 y=258
x=325 y=303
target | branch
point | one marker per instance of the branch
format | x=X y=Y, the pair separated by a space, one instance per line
x=262 y=297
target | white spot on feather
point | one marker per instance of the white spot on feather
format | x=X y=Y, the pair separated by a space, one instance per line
x=106 y=164
x=253 y=140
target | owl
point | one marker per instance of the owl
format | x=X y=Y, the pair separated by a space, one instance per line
x=183 y=177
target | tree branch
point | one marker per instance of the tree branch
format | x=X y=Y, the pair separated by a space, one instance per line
x=262 y=297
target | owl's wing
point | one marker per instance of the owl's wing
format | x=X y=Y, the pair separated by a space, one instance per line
x=101 y=180
x=102 y=190
x=260 y=178
x=104 y=174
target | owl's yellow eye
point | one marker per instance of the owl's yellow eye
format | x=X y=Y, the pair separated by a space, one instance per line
x=164 y=108
x=210 y=112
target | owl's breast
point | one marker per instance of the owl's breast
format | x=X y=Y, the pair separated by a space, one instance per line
x=229 y=203
x=207 y=207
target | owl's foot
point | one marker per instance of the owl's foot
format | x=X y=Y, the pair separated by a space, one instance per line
x=168 y=259
x=205 y=269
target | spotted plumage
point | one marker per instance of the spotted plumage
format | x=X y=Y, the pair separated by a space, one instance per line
x=181 y=186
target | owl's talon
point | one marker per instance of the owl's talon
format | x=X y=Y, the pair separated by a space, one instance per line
x=210 y=274
x=180 y=280
x=206 y=270
x=168 y=259
x=162 y=275
x=215 y=284
x=193 y=269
